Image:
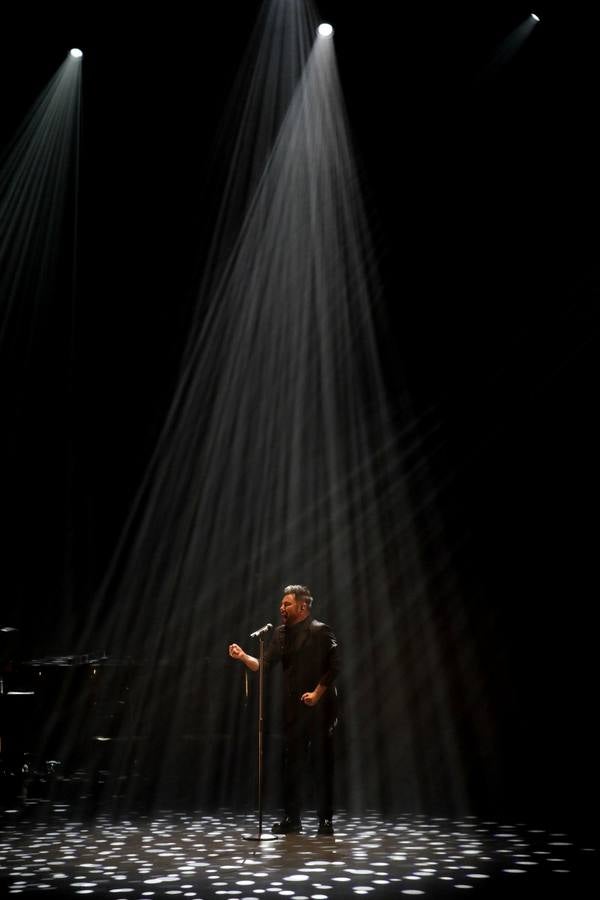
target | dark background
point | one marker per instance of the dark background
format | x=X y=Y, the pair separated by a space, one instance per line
x=482 y=189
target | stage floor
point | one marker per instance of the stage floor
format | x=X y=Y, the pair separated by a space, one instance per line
x=46 y=849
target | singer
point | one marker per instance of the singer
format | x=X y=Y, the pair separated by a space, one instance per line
x=308 y=652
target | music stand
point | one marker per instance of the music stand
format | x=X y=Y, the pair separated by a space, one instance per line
x=261 y=672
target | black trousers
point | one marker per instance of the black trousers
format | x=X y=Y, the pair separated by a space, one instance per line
x=308 y=750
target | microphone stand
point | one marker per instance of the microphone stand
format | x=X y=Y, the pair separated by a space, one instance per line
x=261 y=682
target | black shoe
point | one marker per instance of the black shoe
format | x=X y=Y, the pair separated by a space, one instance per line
x=325 y=826
x=287 y=826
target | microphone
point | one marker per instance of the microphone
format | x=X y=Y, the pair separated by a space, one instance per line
x=262 y=631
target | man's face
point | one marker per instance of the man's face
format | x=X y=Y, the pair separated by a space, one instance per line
x=292 y=609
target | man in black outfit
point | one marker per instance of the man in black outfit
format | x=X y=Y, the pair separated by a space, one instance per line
x=307 y=650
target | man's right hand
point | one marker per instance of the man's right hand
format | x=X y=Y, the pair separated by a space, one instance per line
x=236 y=652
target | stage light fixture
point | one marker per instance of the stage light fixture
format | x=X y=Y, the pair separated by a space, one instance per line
x=325 y=30
x=76 y=53
x=535 y=17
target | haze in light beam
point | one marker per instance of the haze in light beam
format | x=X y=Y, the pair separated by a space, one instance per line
x=280 y=462
x=510 y=45
x=38 y=179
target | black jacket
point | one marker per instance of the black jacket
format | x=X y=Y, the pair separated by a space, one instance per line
x=309 y=656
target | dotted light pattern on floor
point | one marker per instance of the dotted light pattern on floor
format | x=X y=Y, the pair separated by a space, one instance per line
x=200 y=856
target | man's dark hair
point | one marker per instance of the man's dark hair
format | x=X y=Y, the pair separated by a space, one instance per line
x=300 y=592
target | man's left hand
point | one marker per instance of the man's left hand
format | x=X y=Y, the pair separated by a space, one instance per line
x=310 y=698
